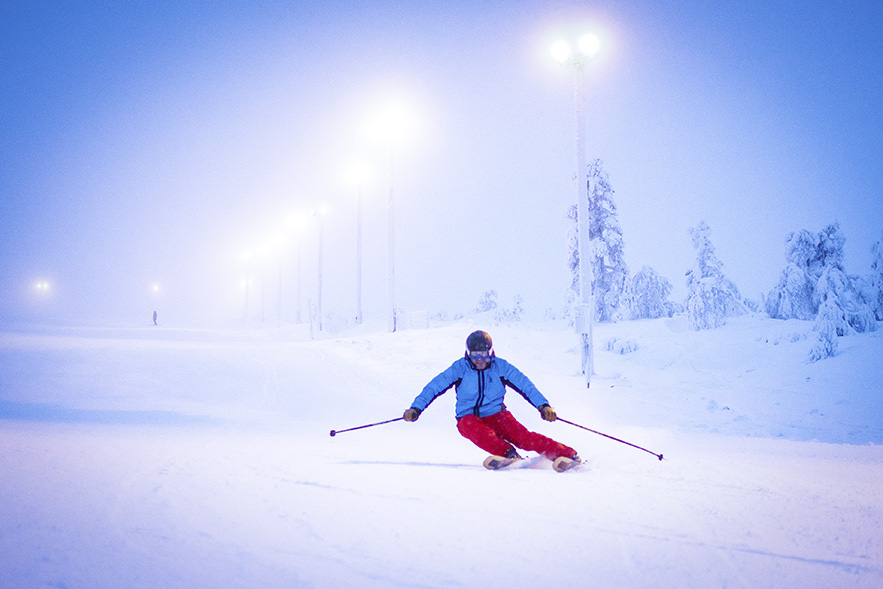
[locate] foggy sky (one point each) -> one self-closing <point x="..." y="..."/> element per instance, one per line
<point x="145" y="149"/>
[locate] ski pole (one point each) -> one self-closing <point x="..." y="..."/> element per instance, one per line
<point x="659" y="456"/>
<point x="340" y="431"/>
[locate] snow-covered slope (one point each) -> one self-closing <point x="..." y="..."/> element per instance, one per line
<point x="186" y="458"/>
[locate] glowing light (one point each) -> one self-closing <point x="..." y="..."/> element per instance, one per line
<point x="560" y="51"/>
<point x="297" y="220"/>
<point x="280" y="241"/>
<point x="393" y="123"/>
<point x="359" y="173"/>
<point x="263" y="250"/>
<point x="589" y="45"/>
<point x="41" y="286"/>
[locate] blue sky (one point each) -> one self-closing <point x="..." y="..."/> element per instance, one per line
<point x="151" y="144"/>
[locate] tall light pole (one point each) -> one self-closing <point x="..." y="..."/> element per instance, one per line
<point x="359" y="174"/>
<point x="587" y="48"/>
<point x="296" y="223"/>
<point x="320" y="213"/>
<point x="298" y="317"/>
<point x="247" y="258"/>
<point x="359" y="256"/>
<point x="279" y="295"/>
<point x="391" y="224"/>
<point x="392" y="125"/>
<point x="280" y="245"/>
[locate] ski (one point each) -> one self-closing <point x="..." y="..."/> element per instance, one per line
<point x="563" y="464"/>
<point x="498" y="462"/>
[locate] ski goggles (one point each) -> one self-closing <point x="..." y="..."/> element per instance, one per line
<point x="483" y="355"/>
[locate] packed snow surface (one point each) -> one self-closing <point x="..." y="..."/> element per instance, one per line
<point x="167" y="457"/>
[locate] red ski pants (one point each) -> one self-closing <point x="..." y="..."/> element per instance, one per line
<point x="499" y="432"/>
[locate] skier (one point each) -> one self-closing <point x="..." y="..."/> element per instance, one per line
<point x="480" y="380"/>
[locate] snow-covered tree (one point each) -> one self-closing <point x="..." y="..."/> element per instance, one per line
<point x="606" y="248"/>
<point x="845" y="290"/>
<point x="605" y="232"/>
<point x="831" y="321"/>
<point x="646" y="296"/>
<point x="829" y="250"/>
<point x="514" y="314"/>
<point x="487" y="302"/>
<point x="799" y="295"/>
<point x="712" y="296"/>
<point x="794" y="296"/>
<point x="873" y="292"/>
<point x="518" y="308"/>
<point x="832" y="291"/>
<point x="846" y="304"/>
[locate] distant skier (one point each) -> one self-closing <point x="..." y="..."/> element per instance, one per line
<point x="154" y="317"/>
<point x="480" y="380"/>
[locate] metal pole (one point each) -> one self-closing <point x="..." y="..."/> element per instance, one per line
<point x="359" y="256"/>
<point x="299" y="281"/>
<point x="263" y="290"/>
<point x="586" y="311"/>
<point x="321" y="244"/>
<point x="279" y="295"/>
<point x="340" y="431"/>
<point x="659" y="456"/>
<point x="247" y="287"/>
<point x="392" y="305"/>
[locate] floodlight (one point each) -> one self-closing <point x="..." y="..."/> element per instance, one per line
<point x="560" y="51"/>
<point x="359" y="173"/>
<point x="392" y="123"/>
<point x="589" y="45"/>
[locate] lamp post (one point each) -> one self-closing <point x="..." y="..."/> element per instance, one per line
<point x="320" y="213"/>
<point x="296" y="224"/>
<point x="263" y="255"/>
<point x="298" y="317"/>
<point x="392" y="264"/>
<point x="392" y="125"/>
<point x="587" y="48"/>
<point x="359" y="174"/>
<point x="359" y="256"/>
<point x="280" y="246"/>
<point x="246" y="257"/>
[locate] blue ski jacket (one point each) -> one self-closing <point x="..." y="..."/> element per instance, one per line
<point x="479" y="392"/>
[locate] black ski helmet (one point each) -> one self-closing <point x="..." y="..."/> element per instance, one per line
<point x="479" y="341"/>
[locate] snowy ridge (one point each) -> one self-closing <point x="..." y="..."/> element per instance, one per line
<point x="159" y="458"/>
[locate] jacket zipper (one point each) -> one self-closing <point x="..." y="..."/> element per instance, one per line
<point x="477" y="408"/>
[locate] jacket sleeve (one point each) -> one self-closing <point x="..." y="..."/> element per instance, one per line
<point x="518" y="382"/>
<point x="438" y="386"/>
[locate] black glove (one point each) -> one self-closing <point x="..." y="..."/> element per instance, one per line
<point x="547" y="412"/>
<point x="412" y="414"/>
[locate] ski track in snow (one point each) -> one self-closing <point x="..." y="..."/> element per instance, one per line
<point x="163" y="458"/>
